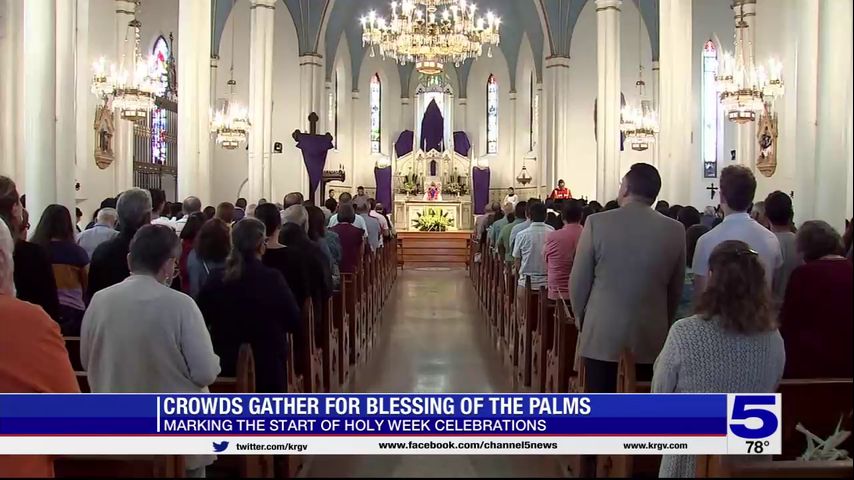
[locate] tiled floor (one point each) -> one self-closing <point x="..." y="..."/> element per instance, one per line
<point x="433" y="341"/>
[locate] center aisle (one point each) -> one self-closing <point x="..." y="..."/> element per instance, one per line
<point x="433" y="341"/>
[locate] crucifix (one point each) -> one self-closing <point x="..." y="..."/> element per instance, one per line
<point x="314" y="149"/>
<point x="712" y="190"/>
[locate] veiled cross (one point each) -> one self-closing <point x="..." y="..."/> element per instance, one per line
<point x="712" y="190"/>
<point x="312" y="126"/>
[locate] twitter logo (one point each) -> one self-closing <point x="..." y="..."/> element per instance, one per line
<point x="220" y="447"/>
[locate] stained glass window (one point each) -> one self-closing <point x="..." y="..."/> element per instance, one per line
<point x="376" y="113"/>
<point x="492" y="115"/>
<point x="159" y="119"/>
<point x="710" y="110"/>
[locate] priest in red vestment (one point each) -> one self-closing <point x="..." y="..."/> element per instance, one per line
<point x="561" y="192"/>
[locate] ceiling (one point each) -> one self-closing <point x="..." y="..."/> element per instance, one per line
<point x="548" y="25"/>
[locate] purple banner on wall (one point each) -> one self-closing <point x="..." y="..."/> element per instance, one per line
<point x="314" y="150"/>
<point x="382" y="176"/>
<point x="462" y="145"/>
<point x="404" y="143"/>
<point x="432" y="128"/>
<point x="480" y="189"/>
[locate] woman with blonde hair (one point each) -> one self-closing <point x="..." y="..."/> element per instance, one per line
<point x="731" y="345"/>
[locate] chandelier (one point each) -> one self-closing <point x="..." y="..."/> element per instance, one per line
<point x="417" y="32"/>
<point x="133" y="88"/>
<point x="639" y="123"/>
<point x="744" y="87"/>
<point x="524" y="178"/>
<point x="230" y="124"/>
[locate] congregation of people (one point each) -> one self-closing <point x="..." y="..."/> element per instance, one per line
<point x="162" y="295"/>
<point x="730" y="300"/>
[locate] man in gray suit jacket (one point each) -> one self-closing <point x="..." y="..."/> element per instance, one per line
<point x="626" y="280"/>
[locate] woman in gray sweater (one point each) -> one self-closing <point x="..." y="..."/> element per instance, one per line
<point x="730" y="346"/>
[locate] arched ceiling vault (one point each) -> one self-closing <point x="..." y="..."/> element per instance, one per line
<point x="549" y="24"/>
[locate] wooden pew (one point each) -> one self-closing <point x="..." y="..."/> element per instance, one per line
<point x="309" y="358"/>
<point x="243" y="381"/>
<point x="510" y="330"/>
<point x="818" y="404"/>
<point x="718" y="466"/>
<point x="119" y="466"/>
<point x="541" y="341"/>
<point x="621" y="466"/>
<point x="560" y="376"/>
<point x="341" y="320"/>
<point x="526" y="324"/>
<point x="330" y="348"/>
<point x="498" y="306"/>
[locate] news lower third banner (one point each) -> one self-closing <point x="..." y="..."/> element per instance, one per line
<point x="392" y="424"/>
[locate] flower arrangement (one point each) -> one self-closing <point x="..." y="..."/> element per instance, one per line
<point x="411" y="185"/>
<point x="454" y="188"/>
<point x="431" y="220"/>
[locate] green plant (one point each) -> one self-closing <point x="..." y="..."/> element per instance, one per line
<point x="431" y="220"/>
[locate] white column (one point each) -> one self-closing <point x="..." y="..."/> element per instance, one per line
<point x="511" y="141"/>
<point x="656" y="94"/>
<point x="676" y="156"/>
<point x="311" y="80"/>
<point x="608" y="110"/>
<point x="834" y="91"/>
<point x="83" y="118"/>
<point x="39" y="104"/>
<point x="66" y="134"/>
<point x="10" y="124"/>
<point x="194" y="86"/>
<point x="555" y="149"/>
<point x="461" y="114"/>
<point x="123" y="136"/>
<point x="406" y="109"/>
<point x="261" y="99"/>
<point x="746" y="133"/>
<point x="354" y="134"/>
<point x="806" y="90"/>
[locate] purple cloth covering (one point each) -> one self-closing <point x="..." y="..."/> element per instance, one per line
<point x="462" y="145"/>
<point x="432" y="128"/>
<point x="314" y="150"/>
<point x="480" y="187"/>
<point x="382" y="176"/>
<point x="404" y="143"/>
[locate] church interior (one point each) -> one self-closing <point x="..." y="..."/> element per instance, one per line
<point x="234" y="104"/>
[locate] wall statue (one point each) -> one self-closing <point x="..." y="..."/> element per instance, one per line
<point x="766" y="138"/>
<point x="104" y="131"/>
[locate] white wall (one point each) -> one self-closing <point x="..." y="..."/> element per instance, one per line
<point x="711" y="19"/>
<point x="391" y="123"/>
<point x="343" y="154"/>
<point x="523" y="154"/>
<point x="579" y="170"/>
<point x="501" y="165"/>
<point x="230" y="167"/>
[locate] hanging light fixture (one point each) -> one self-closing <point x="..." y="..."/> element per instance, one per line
<point x="416" y="32"/>
<point x="230" y="124"/>
<point x="524" y="178"/>
<point x="132" y="85"/>
<point x="639" y="123"/>
<point x="745" y="88"/>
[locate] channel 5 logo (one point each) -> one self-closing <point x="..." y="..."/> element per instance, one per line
<point x="754" y="416"/>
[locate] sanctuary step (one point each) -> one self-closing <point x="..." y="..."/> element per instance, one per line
<point x="434" y="249"/>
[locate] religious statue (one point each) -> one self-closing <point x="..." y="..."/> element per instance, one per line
<point x="434" y="193"/>
<point x="104" y="128"/>
<point x="766" y="137"/>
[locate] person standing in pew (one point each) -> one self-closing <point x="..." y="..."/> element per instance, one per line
<point x="294" y="235"/>
<point x="33" y="358"/>
<point x="503" y="245"/>
<point x="816" y="318"/>
<point x="559" y="251"/>
<point x="251" y="303"/>
<point x="351" y="238"/>
<point x="626" y="280"/>
<point x="109" y="263"/>
<point x="140" y="336"/>
<point x="730" y="346"/>
<point x="528" y="251"/>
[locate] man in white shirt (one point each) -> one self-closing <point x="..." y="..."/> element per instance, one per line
<point x="190" y="206"/>
<point x="104" y="229"/>
<point x="738" y="186"/>
<point x="528" y="250"/>
<point x="511" y="197"/>
<point x="379" y="218"/>
<point x="158" y="202"/>
<point x="359" y="222"/>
